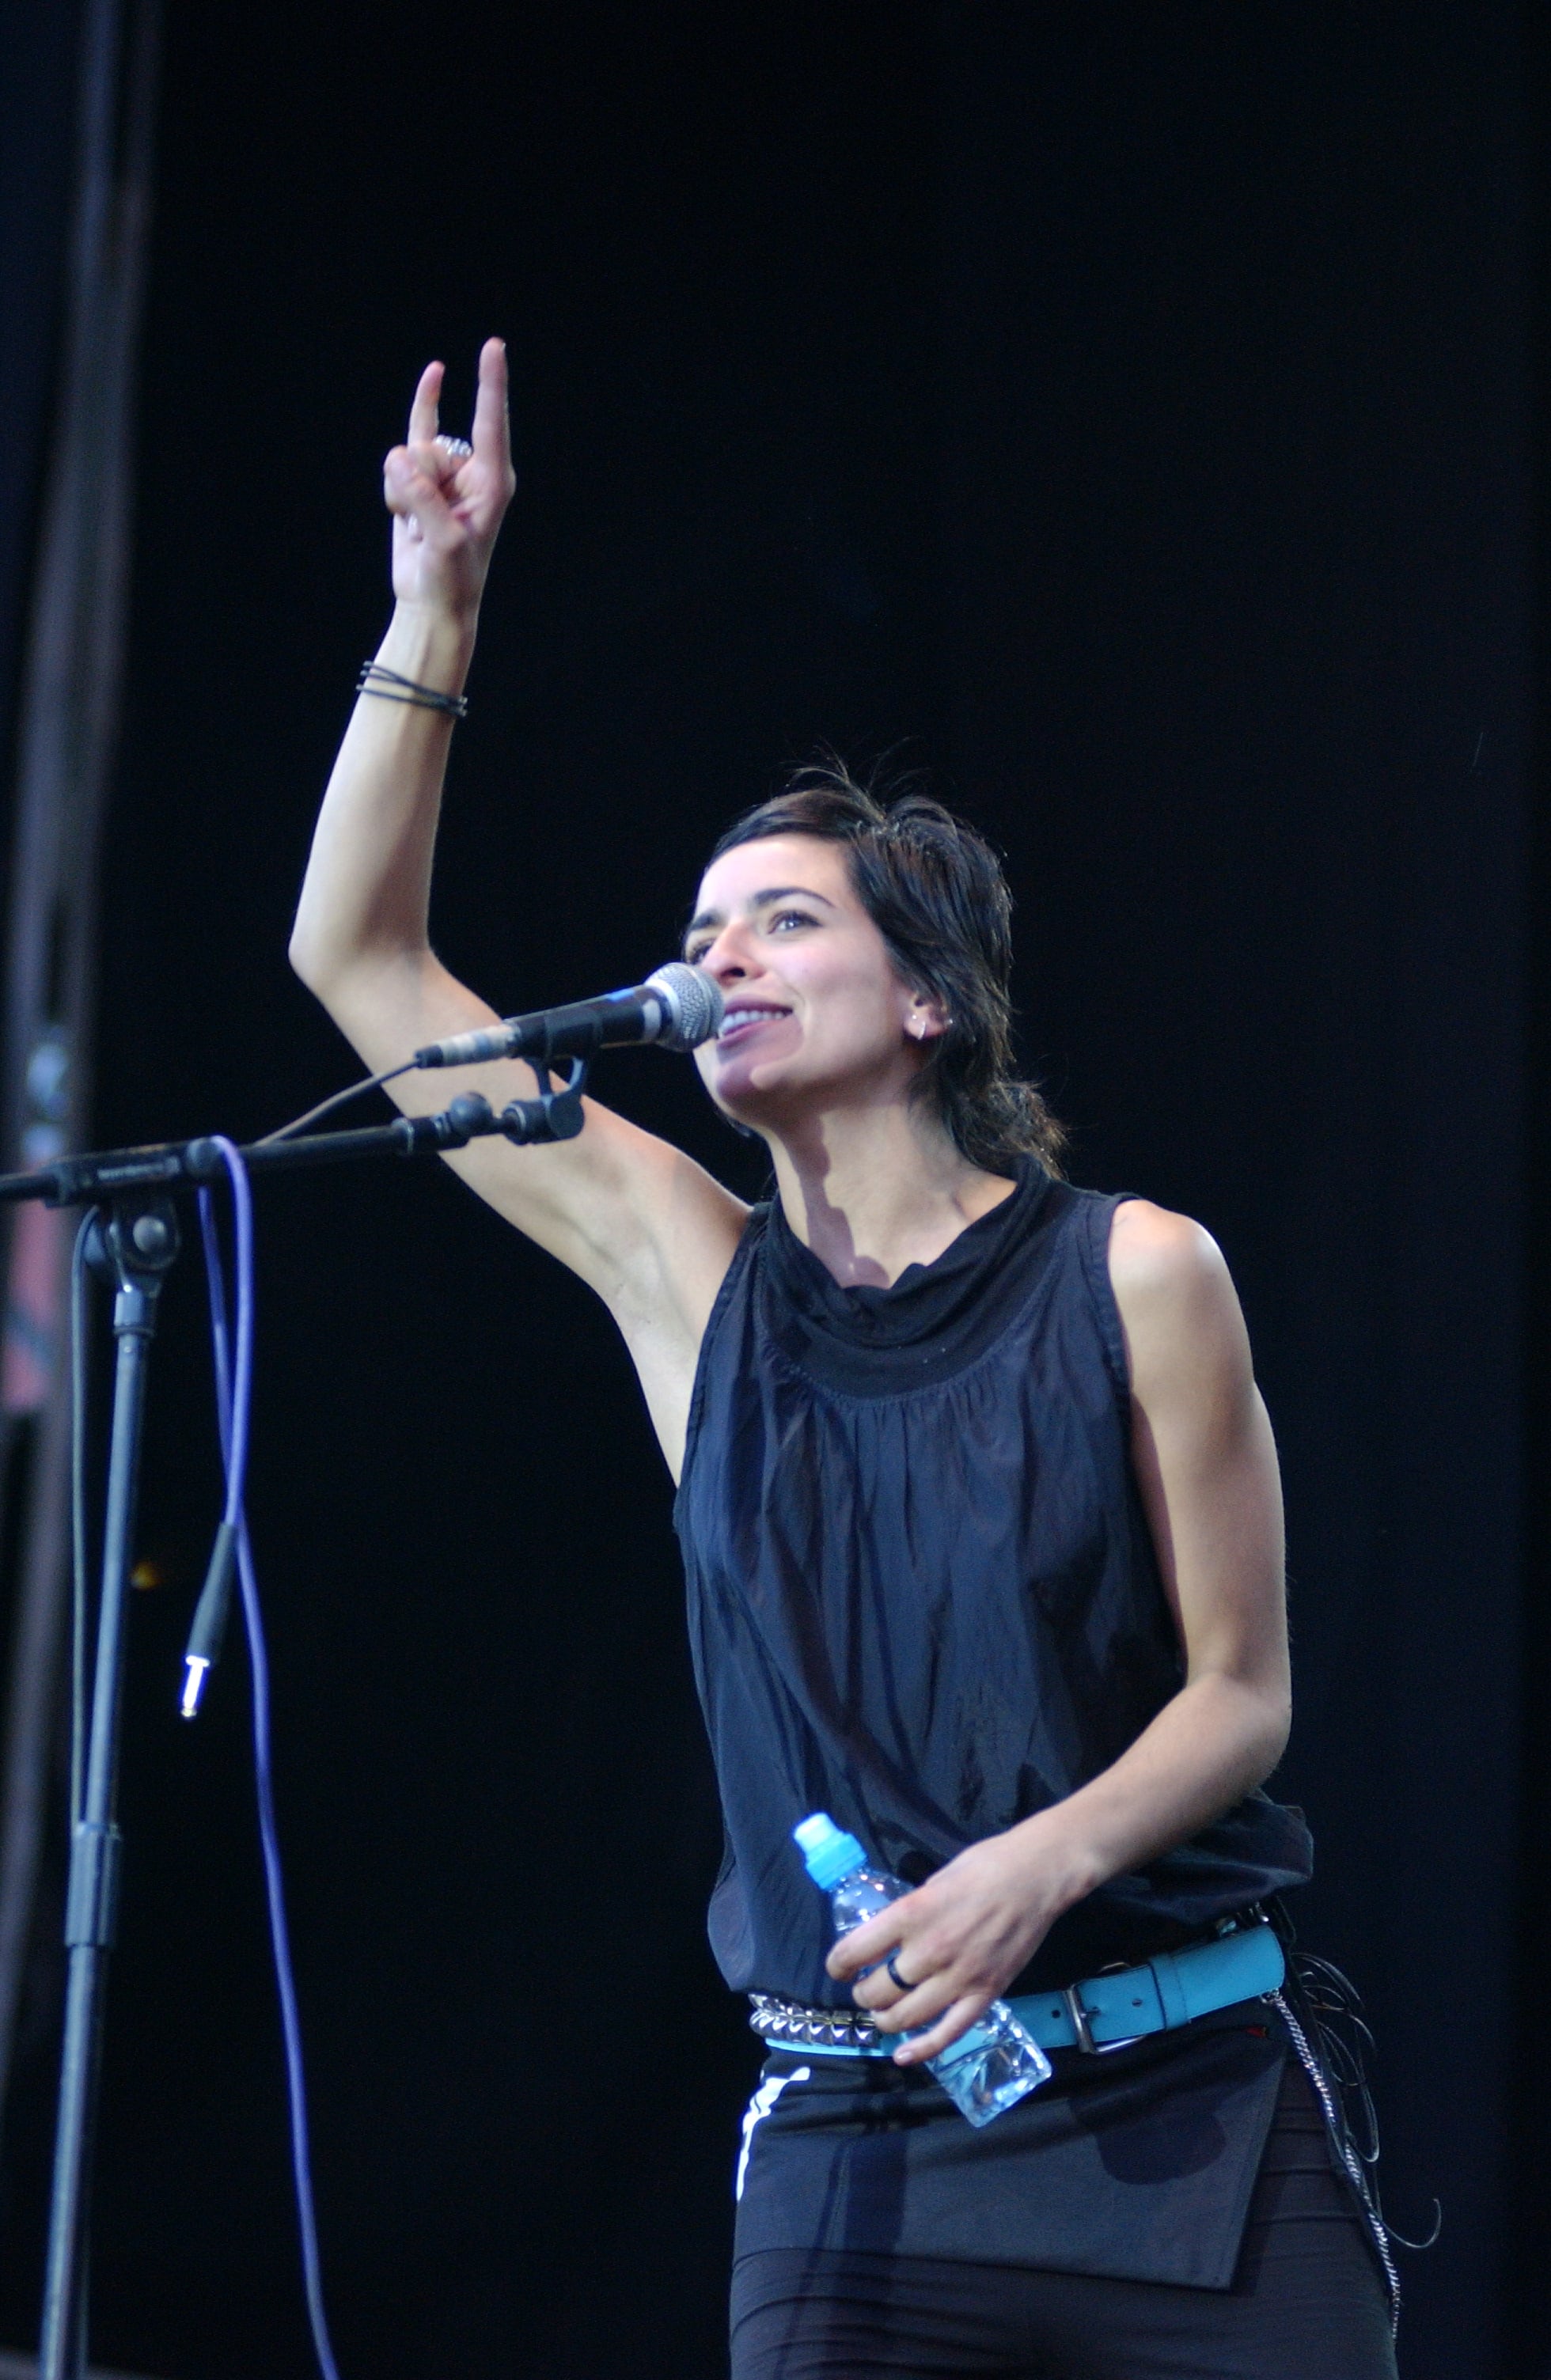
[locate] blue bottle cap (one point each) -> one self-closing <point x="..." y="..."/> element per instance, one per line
<point x="830" y="1855"/>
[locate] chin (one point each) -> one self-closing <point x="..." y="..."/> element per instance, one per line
<point x="743" y="1106"/>
<point x="754" y="1105"/>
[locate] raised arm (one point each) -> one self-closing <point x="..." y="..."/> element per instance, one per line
<point x="647" y="1228"/>
<point x="360" y="936"/>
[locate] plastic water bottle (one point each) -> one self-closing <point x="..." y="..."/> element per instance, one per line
<point x="990" y="2067"/>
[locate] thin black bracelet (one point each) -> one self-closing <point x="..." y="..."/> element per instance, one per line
<point x="395" y="688"/>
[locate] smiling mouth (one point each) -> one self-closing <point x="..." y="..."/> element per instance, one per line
<point x="739" y="1022"/>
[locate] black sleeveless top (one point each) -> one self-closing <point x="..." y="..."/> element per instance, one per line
<point x="922" y="1590"/>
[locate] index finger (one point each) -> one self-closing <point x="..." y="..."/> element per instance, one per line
<point x="423" y="411"/>
<point x="493" y="435"/>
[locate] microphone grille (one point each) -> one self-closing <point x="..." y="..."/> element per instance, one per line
<point x="694" y="1004"/>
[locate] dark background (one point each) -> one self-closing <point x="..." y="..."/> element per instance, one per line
<point x="1127" y="412"/>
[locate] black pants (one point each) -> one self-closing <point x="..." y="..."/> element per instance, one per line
<point x="1307" y="2300"/>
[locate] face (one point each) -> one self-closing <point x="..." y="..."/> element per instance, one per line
<point x="815" y="1010"/>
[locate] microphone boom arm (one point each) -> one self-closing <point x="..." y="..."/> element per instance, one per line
<point x="176" y="1164"/>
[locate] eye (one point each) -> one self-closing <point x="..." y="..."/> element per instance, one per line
<point x="696" y="950"/>
<point x="780" y="918"/>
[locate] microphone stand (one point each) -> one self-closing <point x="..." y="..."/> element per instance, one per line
<point x="138" y="1244"/>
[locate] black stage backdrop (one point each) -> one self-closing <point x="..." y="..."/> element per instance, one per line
<point x="1122" y="410"/>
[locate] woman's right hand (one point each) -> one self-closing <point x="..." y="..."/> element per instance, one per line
<point x="447" y="505"/>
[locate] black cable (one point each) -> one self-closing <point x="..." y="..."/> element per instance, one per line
<point x="337" y="1100"/>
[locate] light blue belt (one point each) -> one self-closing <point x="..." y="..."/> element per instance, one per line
<point x="1169" y="1990"/>
<point x="1173" y="1989"/>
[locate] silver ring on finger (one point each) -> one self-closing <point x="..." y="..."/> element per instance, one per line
<point x="894" y="1973"/>
<point x="459" y="448"/>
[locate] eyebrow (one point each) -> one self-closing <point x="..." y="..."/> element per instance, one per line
<point x="709" y="917"/>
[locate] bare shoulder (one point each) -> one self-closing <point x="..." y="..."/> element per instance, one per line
<point x="1155" y="1252"/>
<point x="1176" y="1297"/>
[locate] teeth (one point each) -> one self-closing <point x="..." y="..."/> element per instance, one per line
<point x="736" y="1017"/>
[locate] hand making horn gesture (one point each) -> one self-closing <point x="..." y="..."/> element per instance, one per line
<point x="447" y="497"/>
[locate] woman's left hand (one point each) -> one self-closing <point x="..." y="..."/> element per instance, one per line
<point x="958" y="1940"/>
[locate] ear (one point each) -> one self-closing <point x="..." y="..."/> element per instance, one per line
<point x="926" y="1019"/>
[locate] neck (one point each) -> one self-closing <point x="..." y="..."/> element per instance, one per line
<point x="873" y="1192"/>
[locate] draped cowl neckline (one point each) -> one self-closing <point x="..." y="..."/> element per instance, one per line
<point x="933" y="1319"/>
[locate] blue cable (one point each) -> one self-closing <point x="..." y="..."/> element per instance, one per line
<point x="234" y="1403"/>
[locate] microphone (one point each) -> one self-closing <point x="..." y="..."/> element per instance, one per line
<point x="677" y="1007"/>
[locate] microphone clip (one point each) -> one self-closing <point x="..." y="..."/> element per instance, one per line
<point x="554" y="1115"/>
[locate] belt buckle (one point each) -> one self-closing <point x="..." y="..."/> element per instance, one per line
<point x="1080" y="2023"/>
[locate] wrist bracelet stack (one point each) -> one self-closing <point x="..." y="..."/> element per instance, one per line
<point x="387" y="683"/>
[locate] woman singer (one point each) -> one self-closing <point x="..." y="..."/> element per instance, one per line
<point x="980" y="1518"/>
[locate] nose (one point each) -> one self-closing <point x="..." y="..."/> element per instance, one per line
<point x="726" y="961"/>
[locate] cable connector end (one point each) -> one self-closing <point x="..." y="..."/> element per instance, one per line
<point x="468" y="1048"/>
<point x="203" y="1648"/>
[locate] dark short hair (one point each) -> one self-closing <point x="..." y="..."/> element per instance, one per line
<point x="935" y="890"/>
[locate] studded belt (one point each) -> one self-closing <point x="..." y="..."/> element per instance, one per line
<point x="1171" y="1989"/>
